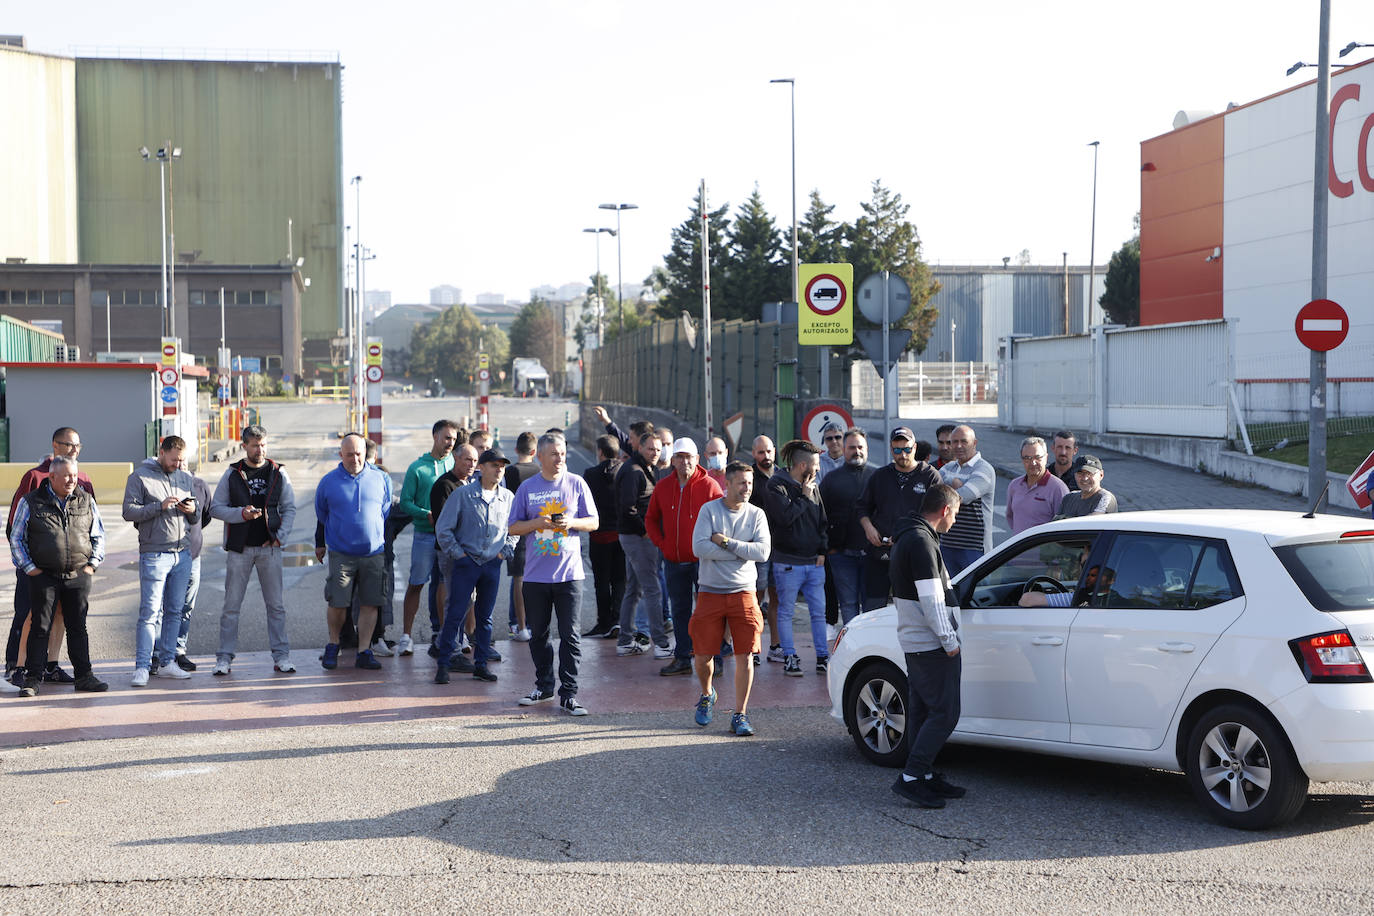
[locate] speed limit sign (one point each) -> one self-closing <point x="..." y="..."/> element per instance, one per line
<point x="374" y="373"/>
<point x="168" y="375"/>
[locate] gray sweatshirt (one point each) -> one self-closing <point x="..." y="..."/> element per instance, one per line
<point x="729" y="570"/>
<point x="159" y="530"/>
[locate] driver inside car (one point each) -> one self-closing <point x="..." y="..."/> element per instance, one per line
<point x="1066" y="599"/>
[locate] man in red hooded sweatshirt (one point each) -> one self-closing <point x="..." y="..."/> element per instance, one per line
<point x="669" y="521"/>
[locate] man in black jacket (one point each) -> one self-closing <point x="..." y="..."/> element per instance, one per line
<point x="797" y="524"/>
<point x="608" y="559"/>
<point x="840" y="492"/>
<point x="928" y="632"/>
<point x="765" y="588"/>
<point x="634" y="485"/>
<point x="893" y="492"/>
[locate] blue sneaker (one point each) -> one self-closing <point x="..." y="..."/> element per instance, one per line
<point x="739" y="724"/>
<point x="330" y="658"/>
<point x="367" y="661"/>
<point x="706" y="708"/>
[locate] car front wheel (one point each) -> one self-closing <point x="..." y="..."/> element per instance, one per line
<point x="875" y="712"/>
<point x="1242" y="769"/>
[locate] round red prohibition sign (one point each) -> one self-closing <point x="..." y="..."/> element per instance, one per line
<point x="1321" y="325"/>
<point x="825" y="294"/>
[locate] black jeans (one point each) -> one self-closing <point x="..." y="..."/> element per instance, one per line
<point x="608" y="578"/>
<point x="682" y="592"/>
<point x="45" y="591"/>
<point x="543" y="600"/>
<point x="932" y="709"/>
<point x="21" y="613"/>
<point x="876" y="580"/>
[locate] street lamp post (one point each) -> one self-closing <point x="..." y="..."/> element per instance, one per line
<point x="355" y="344"/>
<point x="163" y="156"/>
<point x="600" y="294"/>
<point x="1092" y="243"/>
<point x="825" y="351"/>
<point x="619" y="265"/>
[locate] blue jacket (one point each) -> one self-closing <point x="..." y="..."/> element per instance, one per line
<point x="470" y="526"/>
<point x="353" y="510"/>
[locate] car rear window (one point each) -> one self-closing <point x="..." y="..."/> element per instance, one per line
<point x="1334" y="575"/>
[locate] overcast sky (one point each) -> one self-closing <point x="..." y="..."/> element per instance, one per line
<point x="487" y="133"/>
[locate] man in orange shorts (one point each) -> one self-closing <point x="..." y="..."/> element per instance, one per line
<point x="730" y="536"/>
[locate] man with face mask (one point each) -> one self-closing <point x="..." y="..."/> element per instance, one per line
<point x="715" y="460"/>
<point x="840" y="492"/>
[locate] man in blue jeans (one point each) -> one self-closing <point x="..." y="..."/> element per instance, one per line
<point x="840" y="492"/>
<point x="473" y="536"/>
<point x="159" y="500"/>
<point x="797" y="522"/>
<point x="550" y="508"/>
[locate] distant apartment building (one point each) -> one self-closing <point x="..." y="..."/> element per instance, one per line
<point x="491" y="299"/>
<point x="445" y="295"/>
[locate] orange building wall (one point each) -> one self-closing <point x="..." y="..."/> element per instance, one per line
<point x="1180" y="223"/>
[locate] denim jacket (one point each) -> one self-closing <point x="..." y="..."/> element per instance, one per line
<point x="470" y="526"/>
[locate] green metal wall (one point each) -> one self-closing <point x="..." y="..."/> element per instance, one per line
<point x="21" y="342"/>
<point x="260" y="145"/>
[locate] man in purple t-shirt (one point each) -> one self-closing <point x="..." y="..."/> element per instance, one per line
<point x="550" y="508"/>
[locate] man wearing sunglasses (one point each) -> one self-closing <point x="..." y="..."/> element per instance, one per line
<point x="894" y="492"/>
<point x="833" y="456"/>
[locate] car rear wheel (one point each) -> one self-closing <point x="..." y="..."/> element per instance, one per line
<point x="875" y="712"/>
<point x="1242" y="769"/>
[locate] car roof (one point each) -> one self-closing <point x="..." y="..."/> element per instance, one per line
<point x="1270" y="524"/>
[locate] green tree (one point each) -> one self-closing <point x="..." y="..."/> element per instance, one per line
<point x="536" y="332"/>
<point x="681" y="277"/>
<point x="758" y="270"/>
<point x="1121" y="297"/>
<point x="820" y="240"/>
<point x="447" y="347"/>
<point x="599" y="288"/>
<point x="884" y="239"/>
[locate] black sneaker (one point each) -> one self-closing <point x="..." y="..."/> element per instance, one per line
<point x="482" y="674"/>
<point x="823" y="664"/>
<point x="536" y="696"/>
<point x="89" y="683"/>
<point x="53" y="674"/>
<point x="434" y="649"/>
<point x="918" y="791"/>
<point x="441" y="676"/>
<point x="185" y="663"/>
<point x="643" y="639"/>
<point x="461" y="664"/>
<point x="493" y="655"/>
<point x="367" y="661"/>
<point x="154" y="664"/>
<point x="596" y="632"/>
<point x="676" y="667"/>
<point x="791" y="666"/>
<point x="612" y="633"/>
<point x="945" y="789"/>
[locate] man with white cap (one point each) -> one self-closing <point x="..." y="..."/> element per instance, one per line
<point x="673" y="509"/>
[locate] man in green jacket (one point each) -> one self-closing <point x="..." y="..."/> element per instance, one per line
<point x="419" y="479"/>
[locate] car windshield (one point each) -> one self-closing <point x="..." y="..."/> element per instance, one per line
<point x="1334" y="575"/>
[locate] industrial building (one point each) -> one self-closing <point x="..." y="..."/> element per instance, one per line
<point x="254" y="202"/>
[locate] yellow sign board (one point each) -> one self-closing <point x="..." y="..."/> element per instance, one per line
<point x="171" y="355"/>
<point x="825" y="314"/>
<point x="483" y="361"/>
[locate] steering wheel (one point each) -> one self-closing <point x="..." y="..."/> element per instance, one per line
<point x="1055" y="586"/>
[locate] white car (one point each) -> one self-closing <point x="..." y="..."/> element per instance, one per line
<point x="1225" y="644"/>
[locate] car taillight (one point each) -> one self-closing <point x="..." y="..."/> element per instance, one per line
<point x="1330" y="658"/>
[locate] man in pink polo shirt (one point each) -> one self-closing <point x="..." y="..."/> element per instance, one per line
<point x="1033" y="498"/>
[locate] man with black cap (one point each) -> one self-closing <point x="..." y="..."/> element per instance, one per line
<point x="473" y="534"/>
<point x="1089" y="498"/>
<point x="895" y="491"/>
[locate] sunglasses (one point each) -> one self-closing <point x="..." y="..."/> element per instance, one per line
<point x="834" y="438"/>
<point x="902" y="450"/>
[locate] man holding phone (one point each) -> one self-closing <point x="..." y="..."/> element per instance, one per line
<point x="255" y="501"/>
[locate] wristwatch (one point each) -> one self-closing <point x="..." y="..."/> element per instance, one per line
<point x="725" y="542"/>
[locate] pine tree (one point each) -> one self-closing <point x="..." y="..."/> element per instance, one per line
<point x="681" y="277"/>
<point x="820" y="240"/>
<point x="883" y="239"/>
<point x="759" y="271"/>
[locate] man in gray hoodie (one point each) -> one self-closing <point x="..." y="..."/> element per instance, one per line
<point x="729" y="538"/>
<point x="159" y="500"/>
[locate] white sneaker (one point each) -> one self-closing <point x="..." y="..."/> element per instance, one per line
<point x="404" y="646"/>
<point x="381" y="649"/>
<point x="140" y="678"/>
<point x="663" y="651"/>
<point x="522" y="635"/>
<point x="221" y="667"/>
<point x="173" y="671"/>
<point x="633" y="648"/>
<point x="7" y="686"/>
<point x="775" y="655"/>
<point x="284" y="667"/>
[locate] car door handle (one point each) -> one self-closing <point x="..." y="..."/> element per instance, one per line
<point x="1178" y="647"/>
<point x="1047" y="641"/>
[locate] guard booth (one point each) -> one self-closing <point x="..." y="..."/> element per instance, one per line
<point x="117" y="407"/>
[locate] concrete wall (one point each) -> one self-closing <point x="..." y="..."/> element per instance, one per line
<point x="108" y="405"/>
<point x="38" y="191"/>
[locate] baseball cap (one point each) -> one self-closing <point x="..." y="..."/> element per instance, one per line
<point x="493" y="454"/>
<point x="684" y="445"/>
<point x="1089" y="462"/>
<point x="902" y="432"/>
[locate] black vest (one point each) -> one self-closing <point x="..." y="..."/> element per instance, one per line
<point x="59" y="540"/>
<point x="236" y="536"/>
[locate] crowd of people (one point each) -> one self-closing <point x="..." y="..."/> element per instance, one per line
<point x="693" y="556"/>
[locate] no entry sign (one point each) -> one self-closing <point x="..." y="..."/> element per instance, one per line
<point x="1321" y="325"/>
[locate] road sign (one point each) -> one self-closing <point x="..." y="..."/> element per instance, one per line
<point x="1321" y="325"/>
<point x="484" y="362"/>
<point x="484" y="375"/>
<point x="248" y="364"/>
<point x="169" y="351"/>
<point x="223" y="393"/>
<point x="1358" y="482"/>
<point x="168" y="375"/>
<point x="825" y="315"/>
<point x="734" y="428"/>
<point x="821" y="416"/>
<point x="223" y="380"/>
<point x="374" y="373"/>
<point x="870" y="298"/>
<point x="169" y="394"/>
<point x="374" y="351"/>
<point x="872" y="342"/>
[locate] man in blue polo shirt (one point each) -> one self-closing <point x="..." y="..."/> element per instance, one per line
<point x="352" y="503"/>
